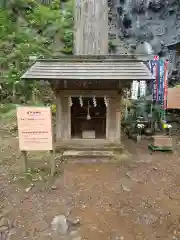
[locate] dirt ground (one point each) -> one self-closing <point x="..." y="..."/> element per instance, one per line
<point x="136" y="199"/>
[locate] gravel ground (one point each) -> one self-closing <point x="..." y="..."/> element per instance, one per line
<point x="137" y="199"/>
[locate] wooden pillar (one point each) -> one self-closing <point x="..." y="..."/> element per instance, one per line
<point x="66" y="119"/>
<point x="118" y="119"/>
<point x="113" y="127"/>
<point x="91" y="27"/>
<point x="59" y="121"/>
<point x="111" y="121"/>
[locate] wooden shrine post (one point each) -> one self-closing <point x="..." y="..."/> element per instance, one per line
<point x="90" y="38"/>
<point x="91" y="35"/>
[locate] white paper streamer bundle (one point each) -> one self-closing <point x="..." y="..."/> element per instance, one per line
<point x="105" y="101"/>
<point x="81" y="101"/>
<point x="142" y="86"/>
<point x="94" y="101"/>
<point x="70" y="102"/>
<point x="134" y="90"/>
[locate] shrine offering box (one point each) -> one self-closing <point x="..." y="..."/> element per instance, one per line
<point x="88" y="134"/>
<point x="162" y="141"/>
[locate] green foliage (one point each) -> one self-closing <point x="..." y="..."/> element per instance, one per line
<point x="68" y="41"/>
<point x="5" y="108"/>
<point x="29" y="28"/>
<point x="112" y="46"/>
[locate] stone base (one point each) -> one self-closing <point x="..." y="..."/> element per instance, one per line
<point x="73" y="153"/>
<point x="162" y="141"/>
<point x="88" y="145"/>
<point x="87" y="156"/>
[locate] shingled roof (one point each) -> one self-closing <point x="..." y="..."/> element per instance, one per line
<point x="74" y="68"/>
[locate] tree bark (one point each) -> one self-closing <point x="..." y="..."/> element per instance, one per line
<point x="91" y="27"/>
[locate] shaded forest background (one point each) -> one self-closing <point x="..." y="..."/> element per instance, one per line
<point x="31" y="28"/>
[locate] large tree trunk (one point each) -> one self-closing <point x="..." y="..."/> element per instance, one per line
<point x="91" y="27"/>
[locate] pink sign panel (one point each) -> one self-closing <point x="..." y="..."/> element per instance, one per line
<point x="34" y="128"/>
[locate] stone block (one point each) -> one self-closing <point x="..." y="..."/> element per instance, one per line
<point x="162" y="141"/>
<point x="88" y="134"/>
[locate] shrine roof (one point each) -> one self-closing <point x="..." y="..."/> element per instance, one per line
<point x="88" y="68"/>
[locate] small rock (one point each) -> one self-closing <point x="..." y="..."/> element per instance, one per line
<point x="59" y="224"/>
<point x="73" y="221"/>
<point x="128" y="174"/>
<point x="83" y="206"/>
<point x="53" y="187"/>
<point x="29" y="188"/>
<point x="125" y="188"/>
<point x="118" y="238"/>
<point x="155" y="168"/>
<point x="73" y="225"/>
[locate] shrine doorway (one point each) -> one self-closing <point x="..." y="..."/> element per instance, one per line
<point x="88" y="118"/>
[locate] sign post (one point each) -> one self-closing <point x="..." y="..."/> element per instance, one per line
<point x="35" y="132"/>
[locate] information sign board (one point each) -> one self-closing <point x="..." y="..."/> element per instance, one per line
<point x="34" y="128"/>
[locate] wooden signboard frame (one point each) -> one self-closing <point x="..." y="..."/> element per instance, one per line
<point x="35" y="132"/>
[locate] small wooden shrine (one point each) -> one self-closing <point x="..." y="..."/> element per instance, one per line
<point x="88" y="96"/>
